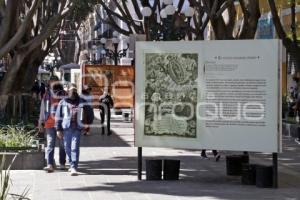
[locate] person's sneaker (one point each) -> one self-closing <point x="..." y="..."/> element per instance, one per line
<point x="217" y="157"/>
<point x="62" y="167"/>
<point x="49" y="169"/>
<point x="86" y="133"/>
<point x="73" y="172"/>
<point x="204" y="157"/>
<point x="69" y="170"/>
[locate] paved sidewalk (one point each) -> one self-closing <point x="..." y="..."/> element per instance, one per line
<point x="108" y="172"/>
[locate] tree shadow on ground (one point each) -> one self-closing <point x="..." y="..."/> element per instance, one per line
<point x="198" y="178"/>
<point x="187" y="188"/>
<point x="96" y="139"/>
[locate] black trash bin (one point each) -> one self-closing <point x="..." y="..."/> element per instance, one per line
<point x="171" y="169"/>
<point x="126" y="116"/>
<point x="264" y="176"/>
<point x="248" y="174"/>
<point x="153" y="169"/>
<point x="234" y="164"/>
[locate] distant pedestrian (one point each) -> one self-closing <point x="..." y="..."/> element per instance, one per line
<point x="49" y="103"/>
<point x="35" y="90"/>
<point x="86" y="95"/>
<point x="69" y="124"/>
<point x="106" y="103"/>
<point x="42" y="89"/>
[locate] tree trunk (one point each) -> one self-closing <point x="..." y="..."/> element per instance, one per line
<point x="77" y="55"/>
<point x="9" y="79"/>
<point x="291" y="47"/>
<point x="252" y="14"/>
<point x="28" y="70"/>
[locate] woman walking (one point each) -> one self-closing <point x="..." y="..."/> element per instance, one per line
<point x="50" y="100"/>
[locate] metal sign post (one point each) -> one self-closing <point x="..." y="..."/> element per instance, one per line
<point x="140" y="163"/>
<point x="275" y="170"/>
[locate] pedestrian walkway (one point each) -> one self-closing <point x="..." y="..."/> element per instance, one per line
<point x="108" y="172"/>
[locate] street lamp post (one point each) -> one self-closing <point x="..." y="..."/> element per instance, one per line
<point x="146" y="12"/>
<point x="163" y="27"/>
<point x="51" y="63"/>
<point x="114" y="54"/>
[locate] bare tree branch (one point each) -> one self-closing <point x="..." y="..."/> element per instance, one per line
<point x="137" y="9"/>
<point x="293" y="19"/>
<point x="224" y="7"/>
<point x="291" y="46"/>
<point x="46" y="31"/>
<point x="113" y="24"/>
<point x="155" y="4"/>
<point x="112" y="13"/>
<point x="2" y="8"/>
<point x="180" y="5"/>
<point x="21" y="30"/>
<point x="251" y="12"/>
<point x="9" y="18"/>
<point x="214" y="7"/>
<point x="137" y="28"/>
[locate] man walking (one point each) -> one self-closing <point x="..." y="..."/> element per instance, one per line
<point x="69" y="119"/>
<point x="106" y="103"/>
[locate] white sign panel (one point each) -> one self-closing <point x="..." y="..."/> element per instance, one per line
<point x="222" y="95"/>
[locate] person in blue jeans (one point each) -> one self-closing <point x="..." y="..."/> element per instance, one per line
<point x="69" y="124"/>
<point x="49" y="103"/>
<point x="51" y="140"/>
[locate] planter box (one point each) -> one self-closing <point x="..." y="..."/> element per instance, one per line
<point x="34" y="160"/>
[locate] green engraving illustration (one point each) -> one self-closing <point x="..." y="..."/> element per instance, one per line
<point x="171" y="94"/>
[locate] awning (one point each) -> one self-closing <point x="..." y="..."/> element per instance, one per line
<point x="70" y="66"/>
<point x="43" y="71"/>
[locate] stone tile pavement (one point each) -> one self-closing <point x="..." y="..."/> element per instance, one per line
<point x="108" y="172"/>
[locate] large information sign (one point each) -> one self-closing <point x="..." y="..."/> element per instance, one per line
<point x="222" y="95"/>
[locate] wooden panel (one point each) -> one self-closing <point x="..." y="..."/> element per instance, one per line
<point x="123" y="97"/>
<point x="119" y="80"/>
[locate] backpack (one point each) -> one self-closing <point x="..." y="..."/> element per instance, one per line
<point x="88" y="114"/>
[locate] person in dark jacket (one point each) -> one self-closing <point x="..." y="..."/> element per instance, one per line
<point x="69" y="124"/>
<point x="42" y="89"/>
<point x="106" y="103"/>
<point x="86" y="95"/>
<point x="35" y="89"/>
